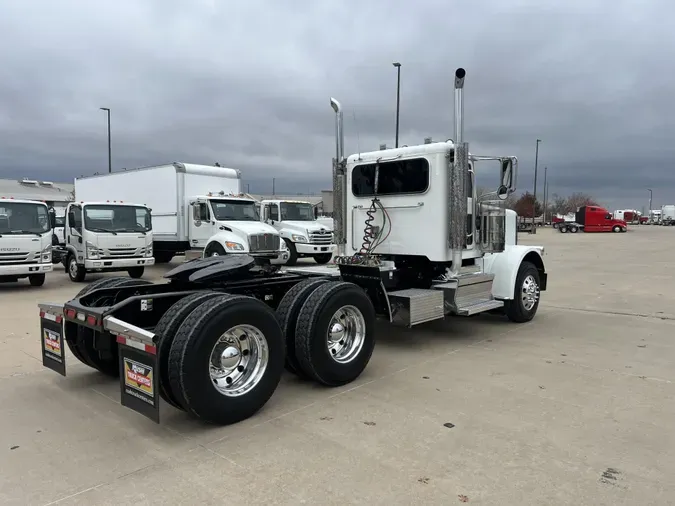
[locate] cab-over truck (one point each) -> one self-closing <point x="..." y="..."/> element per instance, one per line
<point x="213" y="340"/>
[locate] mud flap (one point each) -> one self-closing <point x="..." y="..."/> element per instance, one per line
<point x="139" y="378"/>
<point x="51" y="339"/>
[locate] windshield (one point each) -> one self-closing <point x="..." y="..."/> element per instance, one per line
<point x="112" y="218"/>
<point x="297" y="211"/>
<point x="23" y="218"/>
<point x="235" y="210"/>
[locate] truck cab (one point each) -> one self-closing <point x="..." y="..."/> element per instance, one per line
<point x="296" y="222"/>
<point x="106" y="237"/>
<point x="599" y="219"/>
<point x="25" y="241"/>
<point x="227" y="224"/>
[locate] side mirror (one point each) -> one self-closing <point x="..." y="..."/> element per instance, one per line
<point x="52" y="220"/>
<point x="71" y="219"/>
<point x="507" y="174"/>
<point x="316" y="213"/>
<point x="502" y="192"/>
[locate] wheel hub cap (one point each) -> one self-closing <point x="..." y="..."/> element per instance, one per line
<point x="346" y="334"/>
<point x="238" y="360"/>
<point x="530" y="293"/>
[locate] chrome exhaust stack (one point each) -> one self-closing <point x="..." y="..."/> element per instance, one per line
<point x="339" y="181"/>
<point x="458" y="169"/>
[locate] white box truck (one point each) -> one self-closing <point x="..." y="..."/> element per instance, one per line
<point x="25" y="241"/>
<point x="194" y="207"/>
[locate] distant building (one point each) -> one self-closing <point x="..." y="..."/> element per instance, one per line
<point x="55" y="194"/>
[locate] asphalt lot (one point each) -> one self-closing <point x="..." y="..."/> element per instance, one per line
<point x="575" y="407"/>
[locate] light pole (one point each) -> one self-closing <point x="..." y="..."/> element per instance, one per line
<point x="545" y="194"/>
<point x="650" y="202"/>
<point x="109" y="145"/>
<point x="534" y="201"/>
<point x="398" y="95"/>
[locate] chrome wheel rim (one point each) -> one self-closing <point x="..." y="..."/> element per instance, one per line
<point x="529" y="293"/>
<point x="238" y="360"/>
<point x="346" y="334"/>
<point x="214" y="254"/>
<point x="73" y="268"/>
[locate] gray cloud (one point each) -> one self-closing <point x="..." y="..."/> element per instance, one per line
<point x="247" y="85"/>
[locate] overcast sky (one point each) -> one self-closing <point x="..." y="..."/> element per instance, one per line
<point x="247" y="84"/>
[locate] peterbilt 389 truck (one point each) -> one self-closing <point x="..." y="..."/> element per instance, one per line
<point x="213" y="339"/>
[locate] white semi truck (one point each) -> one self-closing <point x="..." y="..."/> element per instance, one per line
<point x="25" y="241"/>
<point x="196" y="209"/>
<point x="415" y="241"/>
<point x="668" y="214"/>
<point x="296" y="222"/>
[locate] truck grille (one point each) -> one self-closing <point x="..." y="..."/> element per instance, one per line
<point x="322" y="237"/>
<point x="121" y="253"/>
<point x="17" y="258"/>
<point x="264" y="242"/>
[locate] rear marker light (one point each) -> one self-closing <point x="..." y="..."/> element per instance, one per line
<point x="70" y="313"/>
<point x="91" y="320"/>
<point x="148" y="348"/>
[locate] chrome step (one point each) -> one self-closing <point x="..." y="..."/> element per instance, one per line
<point x="479" y="307"/>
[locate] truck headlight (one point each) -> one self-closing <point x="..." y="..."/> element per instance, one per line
<point x="234" y="246"/>
<point x="283" y="245"/>
<point x="298" y="238"/>
<point x="46" y="254"/>
<point x="92" y="251"/>
<point x="148" y="251"/>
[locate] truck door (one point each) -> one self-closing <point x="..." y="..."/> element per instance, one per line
<point x="73" y="230"/>
<point x="271" y="214"/>
<point x="201" y="224"/>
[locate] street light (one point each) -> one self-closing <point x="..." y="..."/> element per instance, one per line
<point x="398" y="95"/>
<point x="545" y="194"/>
<point x="534" y="201"/>
<point x="650" y="201"/>
<point x="109" y="146"/>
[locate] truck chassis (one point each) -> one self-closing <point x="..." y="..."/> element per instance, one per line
<point x="215" y="339"/>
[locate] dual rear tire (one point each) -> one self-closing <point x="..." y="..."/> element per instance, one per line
<point x="221" y="356"/>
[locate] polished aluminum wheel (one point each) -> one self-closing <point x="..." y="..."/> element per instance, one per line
<point x="529" y="293"/>
<point x="346" y="334"/>
<point x="73" y="268"/>
<point x="238" y="360"/>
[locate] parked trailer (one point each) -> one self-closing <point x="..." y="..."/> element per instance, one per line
<point x="668" y="215"/>
<point x="593" y="219"/>
<point x="214" y="339"/>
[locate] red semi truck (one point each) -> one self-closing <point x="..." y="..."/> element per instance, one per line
<point x="593" y="219"/>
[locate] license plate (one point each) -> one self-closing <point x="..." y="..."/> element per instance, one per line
<point x="53" y="353"/>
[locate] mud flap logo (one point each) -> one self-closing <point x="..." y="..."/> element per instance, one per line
<point x="139" y="377"/>
<point x="52" y="342"/>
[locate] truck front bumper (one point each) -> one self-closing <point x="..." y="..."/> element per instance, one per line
<point x="315" y="249"/>
<point x="118" y="263"/>
<point x="24" y="270"/>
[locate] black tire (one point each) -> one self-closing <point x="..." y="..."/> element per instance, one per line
<point x="311" y="346"/>
<point x="562" y="229"/>
<point x="292" y="253"/>
<point x="287" y="314"/>
<point x="322" y="259"/>
<point x="191" y="349"/>
<point x="616" y="229"/>
<point x="107" y="361"/>
<point x="214" y="249"/>
<point x="163" y="257"/>
<point x="76" y="272"/>
<point x="555" y="225"/>
<point x="574" y="229"/>
<point x="136" y="272"/>
<point x="36" y="279"/>
<point x="166" y="329"/>
<point x="515" y="309"/>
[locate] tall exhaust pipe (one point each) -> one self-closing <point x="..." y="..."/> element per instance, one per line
<point x="457" y="171"/>
<point x="339" y="181"/>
